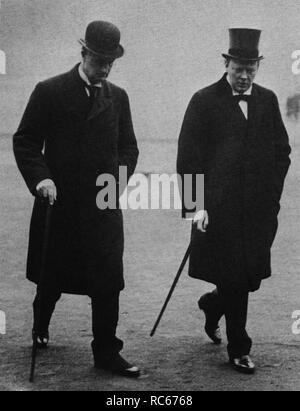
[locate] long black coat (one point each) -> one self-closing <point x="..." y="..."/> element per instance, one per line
<point x="245" y="164"/>
<point x="86" y="247"/>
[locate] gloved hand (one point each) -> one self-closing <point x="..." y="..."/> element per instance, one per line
<point x="47" y="189"/>
<point x="202" y="220"/>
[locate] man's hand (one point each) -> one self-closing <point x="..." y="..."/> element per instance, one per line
<point x="47" y="189"/>
<point x="202" y="220"/>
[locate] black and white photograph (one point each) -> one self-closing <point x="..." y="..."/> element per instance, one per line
<point x="149" y="198"/>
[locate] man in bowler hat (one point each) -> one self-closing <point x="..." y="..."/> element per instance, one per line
<point x="84" y="124"/>
<point x="233" y="133"/>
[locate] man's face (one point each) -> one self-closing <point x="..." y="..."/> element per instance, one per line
<point x="241" y="75"/>
<point x="95" y="68"/>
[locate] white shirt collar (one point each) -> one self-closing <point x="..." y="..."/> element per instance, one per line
<point x="235" y="93"/>
<point x="84" y="77"/>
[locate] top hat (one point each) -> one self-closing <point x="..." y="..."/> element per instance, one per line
<point x="244" y="45"/>
<point x="103" y="39"/>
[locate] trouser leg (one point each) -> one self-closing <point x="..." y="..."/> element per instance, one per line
<point x="212" y="305"/>
<point x="43" y="307"/>
<point x="217" y="305"/>
<point x="235" y="303"/>
<point x="105" y="317"/>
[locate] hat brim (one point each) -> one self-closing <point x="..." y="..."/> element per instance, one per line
<point x="104" y="55"/>
<point x="244" y="59"/>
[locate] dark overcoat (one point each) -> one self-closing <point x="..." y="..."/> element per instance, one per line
<point x="85" y="254"/>
<point x="245" y="164"/>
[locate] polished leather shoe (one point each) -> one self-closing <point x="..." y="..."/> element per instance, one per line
<point x="214" y="334"/>
<point x="119" y="366"/>
<point x="41" y="339"/>
<point x="243" y="365"/>
<point x="212" y="328"/>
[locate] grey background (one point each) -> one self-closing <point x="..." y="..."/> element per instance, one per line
<point x="173" y="48"/>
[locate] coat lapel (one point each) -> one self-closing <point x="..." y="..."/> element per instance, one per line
<point x="74" y="96"/>
<point x="102" y="103"/>
<point x="255" y="111"/>
<point x="75" y="99"/>
<point x="228" y="106"/>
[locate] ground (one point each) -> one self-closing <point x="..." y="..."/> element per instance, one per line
<point x="179" y="357"/>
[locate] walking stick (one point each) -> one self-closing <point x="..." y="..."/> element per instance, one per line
<point x="42" y="275"/>
<point x="187" y="254"/>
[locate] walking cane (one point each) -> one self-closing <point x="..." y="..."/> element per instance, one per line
<point x="187" y="254"/>
<point x="42" y="275"/>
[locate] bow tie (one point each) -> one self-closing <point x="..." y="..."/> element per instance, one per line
<point x="242" y="97"/>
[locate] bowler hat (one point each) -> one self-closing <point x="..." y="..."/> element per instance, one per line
<point x="244" y="45"/>
<point x="103" y="39"/>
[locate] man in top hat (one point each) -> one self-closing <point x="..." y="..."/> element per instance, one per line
<point x="84" y="122"/>
<point x="233" y="133"/>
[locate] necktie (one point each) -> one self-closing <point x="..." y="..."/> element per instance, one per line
<point x="94" y="92"/>
<point x="93" y="95"/>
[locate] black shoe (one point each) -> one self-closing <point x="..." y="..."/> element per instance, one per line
<point x="118" y="366"/>
<point x="212" y="328"/>
<point x="41" y="338"/>
<point x="215" y="335"/>
<point x="243" y="365"/>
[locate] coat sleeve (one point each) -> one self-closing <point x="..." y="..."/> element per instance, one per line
<point x="128" y="149"/>
<point x="191" y="154"/>
<point x="282" y="149"/>
<point x="28" y="141"/>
